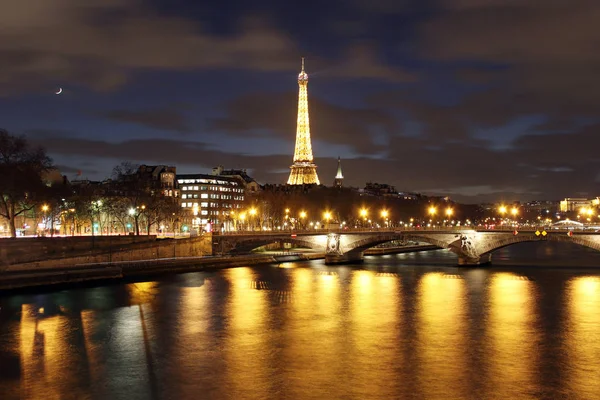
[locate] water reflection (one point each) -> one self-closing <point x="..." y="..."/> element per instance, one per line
<point x="442" y="331"/>
<point x="512" y="335"/>
<point x="583" y="336"/>
<point x="375" y="347"/>
<point x="247" y="352"/>
<point x="309" y="332"/>
<point x="47" y="358"/>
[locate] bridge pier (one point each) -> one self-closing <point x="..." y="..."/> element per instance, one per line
<point x="485" y="259"/>
<point x="347" y="258"/>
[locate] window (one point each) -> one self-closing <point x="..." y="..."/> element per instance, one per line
<point x="196" y="195"/>
<point x="195" y="187"/>
<point x="183" y="205"/>
<point x="184" y="196"/>
<point x="204" y="196"/>
<point x="204" y="204"/>
<point x="204" y="212"/>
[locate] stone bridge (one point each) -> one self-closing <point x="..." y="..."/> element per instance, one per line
<point x="472" y="246"/>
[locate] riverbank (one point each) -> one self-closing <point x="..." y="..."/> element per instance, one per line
<point x="108" y="271"/>
<point x="116" y="270"/>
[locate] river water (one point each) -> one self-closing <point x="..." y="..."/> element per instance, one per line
<point x="409" y="326"/>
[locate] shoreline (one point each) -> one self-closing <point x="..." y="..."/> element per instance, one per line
<point x="120" y="270"/>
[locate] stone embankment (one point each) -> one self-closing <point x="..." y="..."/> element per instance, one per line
<point x="115" y="270"/>
<point x="131" y="258"/>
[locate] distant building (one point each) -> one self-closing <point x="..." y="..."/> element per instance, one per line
<point x="339" y="177"/>
<point x="574" y="204"/>
<point x="159" y="177"/>
<point x="380" y="190"/>
<point x="210" y="199"/>
<point x="249" y="183"/>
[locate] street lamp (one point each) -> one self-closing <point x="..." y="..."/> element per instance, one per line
<point x="302" y="218"/>
<point x="363" y="213"/>
<point x="327" y="217"/>
<point x="514" y="211"/>
<point x="432" y="210"/>
<point x="384" y="215"/>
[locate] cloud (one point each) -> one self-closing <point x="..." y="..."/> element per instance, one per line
<point x="161" y="119"/>
<point x="276" y="114"/>
<point x="549" y="167"/>
<point x="546" y="52"/>
<point x="99" y="44"/>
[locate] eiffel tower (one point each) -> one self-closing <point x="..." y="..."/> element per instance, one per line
<point x="304" y="170"/>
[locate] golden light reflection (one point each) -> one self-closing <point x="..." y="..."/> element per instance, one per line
<point x="443" y="336"/>
<point x="583" y="336"/>
<point x="246" y="350"/>
<point x="374" y="314"/>
<point x="142" y="292"/>
<point x="511" y="337"/>
<point x="315" y="339"/>
<point x="47" y="359"/>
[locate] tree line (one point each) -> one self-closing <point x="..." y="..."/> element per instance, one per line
<point x="125" y="203"/>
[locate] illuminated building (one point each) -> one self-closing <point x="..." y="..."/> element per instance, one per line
<point x="339" y="177"/>
<point x="574" y="204"/>
<point x="304" y="170"/>
<point x="249" y="183"/>
<point x="209" y="199"/>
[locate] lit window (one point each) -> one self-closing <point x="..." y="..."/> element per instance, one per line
<point x="184" y="196"/>
<point x="204" y="212"/>
<point x="204" y="196"/>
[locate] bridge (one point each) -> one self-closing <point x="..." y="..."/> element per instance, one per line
<point x="472" y="246"/>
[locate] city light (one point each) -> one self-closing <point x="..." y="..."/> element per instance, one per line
<point x="449" y="211"/>
<point x="502" y="210"/>
<point x="364" y="212"/>
<point x="45" y="207"/>
<point x="432" y="210"/>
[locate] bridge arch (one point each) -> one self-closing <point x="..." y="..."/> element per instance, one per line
<point x="247" y="245"/>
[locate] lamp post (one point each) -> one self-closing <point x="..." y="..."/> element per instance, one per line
<point x="449" y="213"/>
<point x="327" y="218"/>
<point x="252" y="213"/>
<point x="364" y="213"/>
<point x="45" y="209"/>
<point x="384" y="216"/>
<point x="303" y="218"/>
<point x="432" y="210"/>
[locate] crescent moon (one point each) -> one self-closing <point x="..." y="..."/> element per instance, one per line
<point x="59" y="91"/>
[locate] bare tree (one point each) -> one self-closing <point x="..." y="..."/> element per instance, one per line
<point x="21" y="170"/>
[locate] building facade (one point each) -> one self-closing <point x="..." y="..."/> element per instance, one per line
<point x="209" y="202"/>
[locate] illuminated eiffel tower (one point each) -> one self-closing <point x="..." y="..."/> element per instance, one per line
<point x="304" y="170"/>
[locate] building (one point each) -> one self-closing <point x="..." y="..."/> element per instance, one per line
<point x="338" y="181"/>
<point x="380" y="190"/>
<point x="575" y="204"/>
<point x="249" y="183"/>
<point x="304" y="170"/>
<point x="159" y="177"/>
<point x="209" y="201"/>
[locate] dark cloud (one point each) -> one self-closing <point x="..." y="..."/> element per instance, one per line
<point x="545" y="52"/>
<point x="162" y="119"/>
<point x="537" y="166"/>
<point x="99" y="43"/>
<point x="276" y="113"/>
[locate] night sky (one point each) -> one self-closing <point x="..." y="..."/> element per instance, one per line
<point x="476" y="99"/>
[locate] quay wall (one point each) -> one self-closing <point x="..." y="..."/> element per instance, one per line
<point x="121" y="252"/>
<point x="21" y="250"/>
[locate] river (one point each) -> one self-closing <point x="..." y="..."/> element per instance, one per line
<point x="406" y="326"/>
